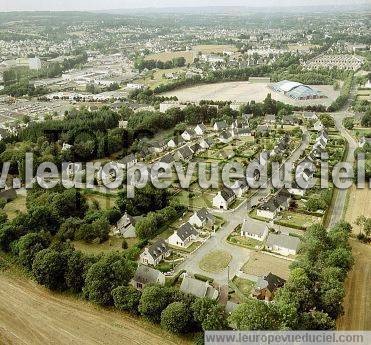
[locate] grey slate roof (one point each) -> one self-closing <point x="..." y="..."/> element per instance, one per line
<point x="284" y="241"/>
<point x="204" y="214"/>
<point x="158" y="248"/>
<point x="227" y="193"/>
<point x="186" y="230"/>
<point x="146" y="274"/>
<point x="185" y="152"/>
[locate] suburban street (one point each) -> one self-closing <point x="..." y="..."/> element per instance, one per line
<point x="233" y="218"/>
<point x="340" y="196"/>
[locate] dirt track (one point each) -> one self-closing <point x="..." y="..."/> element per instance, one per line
<point x="357" y="302"/>
<point x="31" y="315"/>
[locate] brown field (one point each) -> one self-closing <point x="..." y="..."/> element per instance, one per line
<point x="357" y="302"/>
<point x="191" y="54"/>
<point x="261" y="264"/>
<point x="32" y="315"/>
<point x="358" y="204"/>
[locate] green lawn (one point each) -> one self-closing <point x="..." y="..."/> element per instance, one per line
<point x="235" y="238"/>
<point x="112" y="245"/>
<point x="13" y="208"/>
<point x="245" y="286"/>
<point x="295" y="219"/>
<point x="105" y="201"/>
<point x="194" y="199"/>
<point x="215" y="261"/>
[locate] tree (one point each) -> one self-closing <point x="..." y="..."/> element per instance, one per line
<point x="49" y="267"/>
<point x="176" y="318"/>
<point x="29" y="245"/>
<point x="201" y="308"/>
<point x="109" y="272"/>
<point x="366" y="119"/>
<point x="126" y="298"/>
<point x="153" y="301"/>
<point x="254" y="315"/>
<point x="77" y="268"/>
<point x="217" y="319"/>
<point x="316" y="321"/>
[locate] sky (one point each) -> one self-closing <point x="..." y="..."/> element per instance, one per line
<point x="70" y="5"/>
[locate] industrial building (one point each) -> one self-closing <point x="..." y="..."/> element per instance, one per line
<point x="296" y="90"/>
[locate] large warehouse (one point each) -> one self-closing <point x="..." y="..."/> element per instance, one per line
<point x="296" y="90"/>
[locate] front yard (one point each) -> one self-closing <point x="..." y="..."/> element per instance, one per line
<point x="297" y="220"/>
<point x="235" y="238"/>
<point x="215" y="261"/>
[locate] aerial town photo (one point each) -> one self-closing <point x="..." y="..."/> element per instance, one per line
<point x="185" y="173"/>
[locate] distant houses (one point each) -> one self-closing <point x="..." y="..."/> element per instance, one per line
<point x="220" y="126"/>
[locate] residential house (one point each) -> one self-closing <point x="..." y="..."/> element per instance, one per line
<point x="266" y="287"/>
<point x="239" y="123"/>
<point x="202" y="218"/>
<point x="258" y="231"/>
<point x="225" y="137"/>
<point x="240" y="187"/>
<point x="155" y="253"/>
<point x="262" y="129"/>
<point x="318" y="126"/>
<point x="296" y="190"/>
<point x="196" y="148"/>
<point x="158" y="146"/>
<point x="283" y="198"/>
<point x="363" y="141"/>
<point x="200" y="129"/>
<point x="126" y="226"/>
<point x="288" y="120"/>
<point x="198" y="288"/>
<point x="206" y="143"/>
<point x="270" y="119"/>
<point x="224" y="199"/>
<point x="184" y="154"/>
<point x="145" y="275"/>
<point x="268" y="209"/>
<point x="188" y="134"/>
<point x="283" y="244"/>
<point x="175" y="142"/>
<point x="220" y="126"/>
<point x="183" y="236"/>
<point x="310" y="116"/>
<point x="167" y="160"/>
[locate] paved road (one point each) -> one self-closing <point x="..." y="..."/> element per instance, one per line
<point x="233" y="219"/>
<point x="341" y="195"/>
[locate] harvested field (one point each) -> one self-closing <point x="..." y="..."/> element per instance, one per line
<point x="261" y="264"/>
<point x="357" y="302"/>
<point x="30" y="315"/>
<point x="359" y="204"/>
<point x="244" y="91"/>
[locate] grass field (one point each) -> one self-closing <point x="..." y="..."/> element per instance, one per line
<point x="290" y="219"/>
<point x="215" y="261"/>
<point x="357" y="302"/>
<point x="112" y="245"/>
<point x="261" y="264"/>
<point x="244" y="285"/>
<point x="32" y="315"/>
<point x="13" y="208"/>
<point x="105" y="201"/>
<point x="189" y="55"/>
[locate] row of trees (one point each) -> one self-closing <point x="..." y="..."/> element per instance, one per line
<point x="142" y="64"/>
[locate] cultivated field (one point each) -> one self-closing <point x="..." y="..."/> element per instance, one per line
<point x="244" y="91"/>
<point x="357" y="302"/>
<point x="31" y="315"/>
<point x="359" y="204"/>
